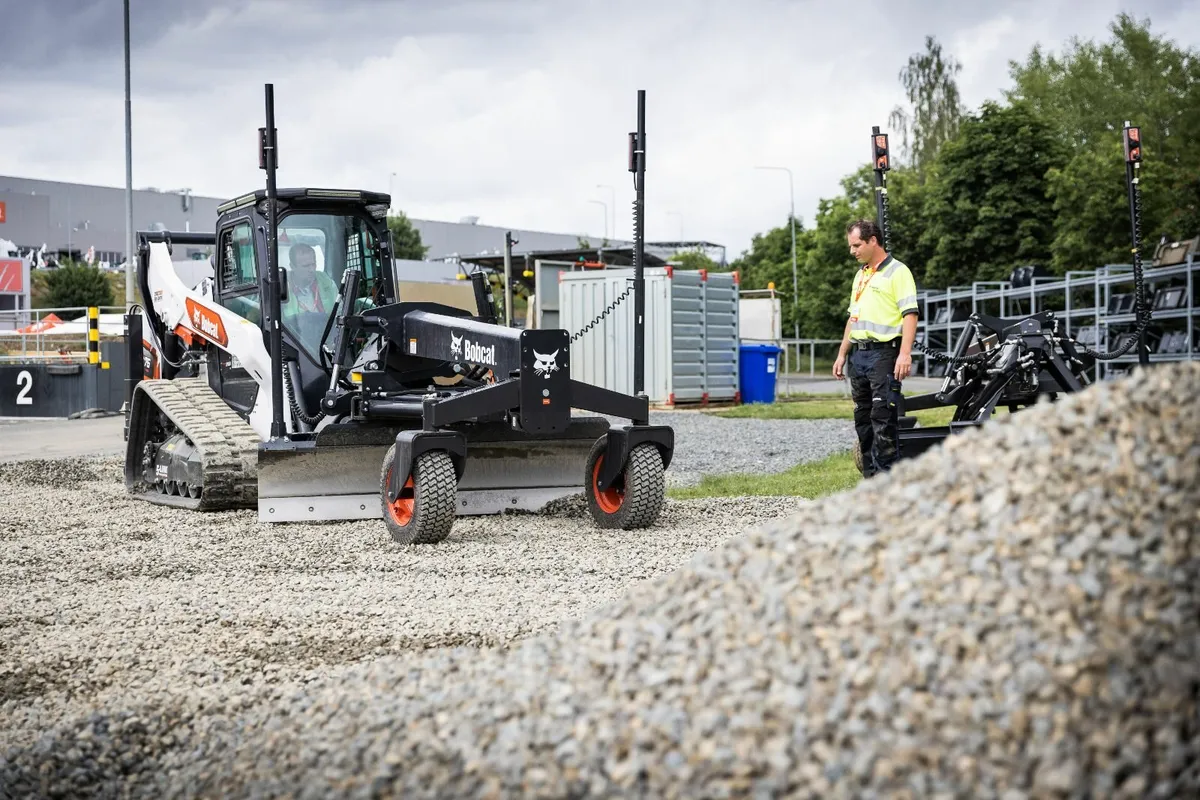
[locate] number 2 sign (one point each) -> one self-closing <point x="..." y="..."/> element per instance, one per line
<point x="25" y="386"/>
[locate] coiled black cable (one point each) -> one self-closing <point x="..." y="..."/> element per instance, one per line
<point x="607" y="310"/>
<point x="613" y="305"/>
<point x="291" y="396"/>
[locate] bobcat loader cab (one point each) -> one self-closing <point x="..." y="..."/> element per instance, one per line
<point x="321" y="234"/>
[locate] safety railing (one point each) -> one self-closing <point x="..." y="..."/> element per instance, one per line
<point x="68" y="335"/>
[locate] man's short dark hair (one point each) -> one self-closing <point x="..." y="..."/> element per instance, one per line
<point x="866" y="229"/>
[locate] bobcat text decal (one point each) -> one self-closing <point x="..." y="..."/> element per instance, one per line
<point x="473" y="351"/>
<point x="206" y="321"/>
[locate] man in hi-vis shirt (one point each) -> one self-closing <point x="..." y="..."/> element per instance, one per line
<point x="878" y="340"/>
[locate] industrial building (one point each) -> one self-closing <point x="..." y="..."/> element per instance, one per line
<point x="69" y="219"/>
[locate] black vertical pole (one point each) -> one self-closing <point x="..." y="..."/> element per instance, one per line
<point x="638" y="166"/>
<point x="1133" y="162"/>
<point x="879" y="159"/>
<point x="269" y="162"/>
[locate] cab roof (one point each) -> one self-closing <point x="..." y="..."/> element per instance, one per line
<point x="299" y="197"/>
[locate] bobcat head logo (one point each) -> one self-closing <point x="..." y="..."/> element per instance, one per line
<point x="544" y="365"/>
<point x="456" y="345"/>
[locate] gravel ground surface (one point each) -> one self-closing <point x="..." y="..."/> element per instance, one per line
<point x="1027" y="626"/>
<point x="104" y="600"/>
<point x="708" y="445"/>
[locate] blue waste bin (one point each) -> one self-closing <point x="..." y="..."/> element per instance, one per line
<point x="758" y="365"/>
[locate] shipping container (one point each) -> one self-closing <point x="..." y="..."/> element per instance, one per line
<point x="691" y="344"/>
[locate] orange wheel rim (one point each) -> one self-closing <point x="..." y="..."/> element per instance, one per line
<point x="401" y="509"/>
<point x="610" y="499"/>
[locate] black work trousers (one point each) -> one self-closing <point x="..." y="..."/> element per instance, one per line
<point x="875" y="391"/>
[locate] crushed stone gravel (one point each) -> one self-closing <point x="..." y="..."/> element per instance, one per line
<point x="1012" y="615"/>
<point x="104" y="599"/>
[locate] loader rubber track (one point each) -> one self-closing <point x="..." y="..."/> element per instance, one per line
<point x="227" y="444"/>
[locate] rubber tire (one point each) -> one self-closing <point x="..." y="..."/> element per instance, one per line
<point x="642" y="483"/>
<point x="435" y="492"/>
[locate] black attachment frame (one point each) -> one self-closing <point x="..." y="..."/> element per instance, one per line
<point x="637" y="165"/>
<point x="341" y="334"/>
<point x="268" y="160"/>
<point x="485" y="301"/>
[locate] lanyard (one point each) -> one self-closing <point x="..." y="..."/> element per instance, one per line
<point x="317" y="304"/>
<point x="862" y="287"/>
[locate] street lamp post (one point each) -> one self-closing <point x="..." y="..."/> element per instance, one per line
<point x="603" y="205"/>
<point x="613" y="193"/>
<point x="128" y="175"/>
<point x="678" y="214"/>
<point x="795" y="276"/>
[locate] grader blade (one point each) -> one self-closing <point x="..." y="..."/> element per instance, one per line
<point x="340" y="475"/>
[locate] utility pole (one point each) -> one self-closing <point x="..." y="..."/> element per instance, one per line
<point x="795" y="271"/>
<point x="129" y="293"/>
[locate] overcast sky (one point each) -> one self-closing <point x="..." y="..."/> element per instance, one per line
<point x="510" y="110"/>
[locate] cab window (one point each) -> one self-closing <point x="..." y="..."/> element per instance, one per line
<point x="239" y="272"/>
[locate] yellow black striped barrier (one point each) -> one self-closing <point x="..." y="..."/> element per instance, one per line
<point x="93" y="314"/>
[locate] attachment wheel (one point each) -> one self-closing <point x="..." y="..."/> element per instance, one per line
<point x="636" y="497"/>
<point x="424" y="511"/>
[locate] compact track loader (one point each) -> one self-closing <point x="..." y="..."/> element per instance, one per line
<point x="302" y="380"/>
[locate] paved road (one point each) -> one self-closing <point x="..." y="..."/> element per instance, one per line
<point x="22" y="439"/>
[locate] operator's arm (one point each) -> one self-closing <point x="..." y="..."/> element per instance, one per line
<point x="907" y="336"/>
<point x="904" y="289"/>
<point x="843" y="350"/>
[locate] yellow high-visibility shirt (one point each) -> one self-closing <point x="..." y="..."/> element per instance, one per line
<point x="880" y="299"/>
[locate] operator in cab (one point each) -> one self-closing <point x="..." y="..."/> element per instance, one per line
<point x="876" y="350"/>
<point x="311" y="294"/>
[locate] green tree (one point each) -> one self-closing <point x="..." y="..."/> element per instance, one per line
<point x="987" y="211"/>
<point x="910" y="238"/>
<point x="406" y="239"/>
<point x="1091" y="89"/>
<point x="936" y="110"/>
<point x="1091" y="204"/>
<point x="75" y="285"/>
<point x="769" y="260"/>
<point x="694" y="260"/>
<point x="827" y="271"/>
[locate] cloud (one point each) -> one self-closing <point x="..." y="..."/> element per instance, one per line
<point x="513" y="111"/>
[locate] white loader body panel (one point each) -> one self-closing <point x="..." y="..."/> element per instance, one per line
<point x="194" y="313"/>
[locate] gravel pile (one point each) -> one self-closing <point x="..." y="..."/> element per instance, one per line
<point x="709" y="445"/>
<point x="1012" y="615"/>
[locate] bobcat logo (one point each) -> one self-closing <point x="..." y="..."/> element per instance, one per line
<point x="455" y="345"/>
<point x="544" y="365"/>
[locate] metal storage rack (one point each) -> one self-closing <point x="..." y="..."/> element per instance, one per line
<point x="1095" y="305"/>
